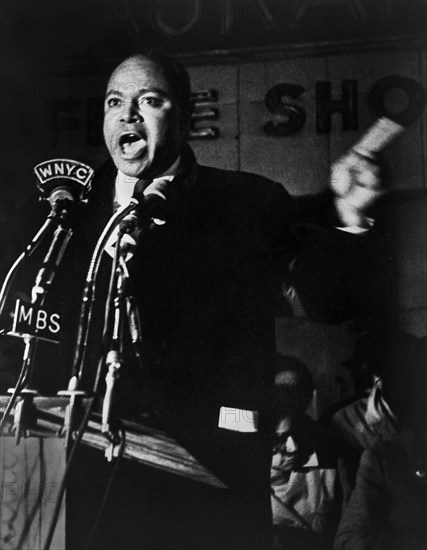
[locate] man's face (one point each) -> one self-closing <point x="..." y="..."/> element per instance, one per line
<point x="143" y="123"/>
<point x="285" y="450"/>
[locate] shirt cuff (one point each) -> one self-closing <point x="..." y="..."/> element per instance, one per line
<point x="356" y="229"/>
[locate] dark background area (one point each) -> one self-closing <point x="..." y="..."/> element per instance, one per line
<point x="58" y="35"/>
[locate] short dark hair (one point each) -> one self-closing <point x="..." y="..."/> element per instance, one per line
<point x="175" y="73"/>
<point x="303" y="389"/>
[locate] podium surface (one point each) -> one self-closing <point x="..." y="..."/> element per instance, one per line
<point x="154" y="470"/>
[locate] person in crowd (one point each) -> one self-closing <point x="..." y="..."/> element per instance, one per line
<point x="370" y="418"/>
<point x="207" y="280"/>
<point x="305" y="487"/>
<point x="388" y="507"/>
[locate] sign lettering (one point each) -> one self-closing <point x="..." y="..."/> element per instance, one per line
<point x="30" y="320"/>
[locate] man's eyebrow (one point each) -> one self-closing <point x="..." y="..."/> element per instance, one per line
<point x="158" y="91"/>
<point x="114" y="92"/>
<point x="129" y="87"/>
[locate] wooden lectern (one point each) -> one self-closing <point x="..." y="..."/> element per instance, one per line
<point x="158" y="489"/>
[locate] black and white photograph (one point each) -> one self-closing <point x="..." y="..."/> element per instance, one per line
<point x="213" y="275"/>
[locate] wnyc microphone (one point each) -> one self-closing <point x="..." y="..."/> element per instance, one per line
<point x="63" y="182"/>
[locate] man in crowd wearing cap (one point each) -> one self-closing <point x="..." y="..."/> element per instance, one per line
<point x="371" y="417"/>
<point x="305" y="486"/>
<point x="388" y="506"/>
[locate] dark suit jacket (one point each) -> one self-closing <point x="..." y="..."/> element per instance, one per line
<point x="388" y="506"/>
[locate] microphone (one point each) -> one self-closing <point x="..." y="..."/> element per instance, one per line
<point x="151" y="203"/>
<point x="60" y="198"/>
<point x="63" y="182"/>
<point x="60" y="181"/>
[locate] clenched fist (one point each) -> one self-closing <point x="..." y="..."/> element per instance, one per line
<point x="356" y="183"/>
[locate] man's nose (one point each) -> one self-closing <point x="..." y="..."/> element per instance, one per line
<point x="130" y="112"/>
<point x="291" y="446"/>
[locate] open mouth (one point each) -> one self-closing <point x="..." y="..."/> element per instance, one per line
<point x="131" y="144"/>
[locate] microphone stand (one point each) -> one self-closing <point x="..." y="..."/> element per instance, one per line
<point x="116" y="311"/>
<point x="32" y="247"/>
<point x="118" y="279"/>
<point x="44" y="279"/>
<point x="114" y="358"/>
<point x="135" y="330"/>
<point x="88" y="299"/>
<point x="75" y="392"/>
<point x="120" y="304"/>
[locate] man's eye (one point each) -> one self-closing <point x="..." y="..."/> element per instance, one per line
<point x="150" y="100"/>
<point x="114" y="102"/>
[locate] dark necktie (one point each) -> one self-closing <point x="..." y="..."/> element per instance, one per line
<point x="130" y="239"/>
<point x="140" y="186"/>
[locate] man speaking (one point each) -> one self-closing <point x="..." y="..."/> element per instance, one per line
<point x="207" y="281"/>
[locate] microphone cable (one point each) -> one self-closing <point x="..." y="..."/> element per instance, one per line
<point x="89" y="293"/>
<point x="32" y="247"/>
<point x="86" y="313"/>
<point x="107" y="490"/>
<point x="16" y="391"/>
<point x="77" y="440"/>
